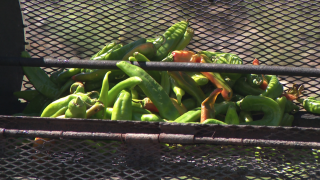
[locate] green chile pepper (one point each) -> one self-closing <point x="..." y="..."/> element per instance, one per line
<point x="222" y="107"/>
<point x="243" y="88"/>
<point x="104" y="49"/>
<point x="190" y="116"/>
<point x="173" y="35"/>
<point x="63" y="89"/>
<point x="151" y="89"/>
<point x="105" y="55"/>
<point x="148" y="49"/>
<point x="134" y="93"/>
<point x="245" y="116"/>
<point x="282" y="101"/>
<point x="127" y="83"/>
<point x="56" y="105"/>
<point x="179" y="92"/>
<point x="60" y="112"/>
<point x="137" y="112"/>
<point x="122" y="109"/>
<point x="291" y="107"/>
<point x="199" y="78"/>
<point x="103" y="97"/>
<point x="118" y="54"/>
<point x="287" y="120"/>
<point x="225" y="58"/>
<point x="54" y="77"/>
<point x="232" y="115"/>
<point x="189" y="103"/>
<point x="274" y="88"/>
<point x="36" y="105"/>
<point x="96" y="108"/>
<point x="187" y="37"/>
<point x="272" y="112"/>
<point x="66" y="75"/>
<point x="311" y="105"/>
<point x="76" y="109"/>
<point x="140" y="57"/>
<point x="254" y="80"/>
<point x="214" y="121"/>
<point x="27" y="95"/>
<point x="151" y="118"/>
<point x="41" y="81"/>
<point x="165" y="81"/>
<point x="188" y="84"/>
<point x="76" y="88"/>
<point x="99" y="74"/>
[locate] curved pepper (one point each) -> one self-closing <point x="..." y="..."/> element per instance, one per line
<point x="105" y="49"/>
<point x="56" y="105"/>
<point x="115" y="90"/>
<point x="214" y="121"/>
<point x="245" y="116"/>
<point x="232" y="115"/>
<point x="151" y="118"/>
<point x="148" y="49"/>
<point x="207" y="106"/>
<point x="185" y="82"/>
<point x="179" y="92"/>
<point x="173" y="36"/>
<point x="190" y="116"/>
<point x="243" y="88"/>
<point x="151" y="89"/>
<point x="76" y="88"/>
<point x="274" y="88"/>
<point x="225" y="58"/>
<point x="76" y="109"/>
<point x="311" y="105"/>
<point x="187" y="37"/>
<point x="122" y="109"/>
<point x="272" y="112"/>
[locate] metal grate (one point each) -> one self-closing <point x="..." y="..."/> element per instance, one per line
<point x="22" y="158"/>
<point x="278" y="33"/>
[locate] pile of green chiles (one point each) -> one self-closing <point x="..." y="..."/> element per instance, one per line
<point x="132" y="93"/>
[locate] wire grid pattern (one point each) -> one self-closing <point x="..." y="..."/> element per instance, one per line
<point x="280" y="33"/>
<point x="24" y="158"/>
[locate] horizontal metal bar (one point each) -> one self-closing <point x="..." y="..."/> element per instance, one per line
<point x="256" y="142"/>
<point x="156" y="138"/>
<point x="170" y="66"/>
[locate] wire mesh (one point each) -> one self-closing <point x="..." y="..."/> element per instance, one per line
<point x="26" y="158"/>
<point x="278" y="33"/>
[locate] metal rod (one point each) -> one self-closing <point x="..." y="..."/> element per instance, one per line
<point x="169" y="66"/>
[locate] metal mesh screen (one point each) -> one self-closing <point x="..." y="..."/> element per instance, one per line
<point x="23" y="158"/>
<point x="281" y="33"/>
<point x="278" y="33"/>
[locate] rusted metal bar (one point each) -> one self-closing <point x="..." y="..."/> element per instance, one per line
<point x="61" y="134"/>
<point x="141" y="138"/>
<point x="257" y="142"/>
<point x="156" y="138"/>
<point x="205" y="67"/>
<point x="176" y="138"/>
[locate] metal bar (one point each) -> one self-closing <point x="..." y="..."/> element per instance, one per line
<point x="156" y="138"/>
<point x="141" y="138"/>
<point x="170" y="66"/>
<point x="256" y="142"/>
<point x="61" y="134"/>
